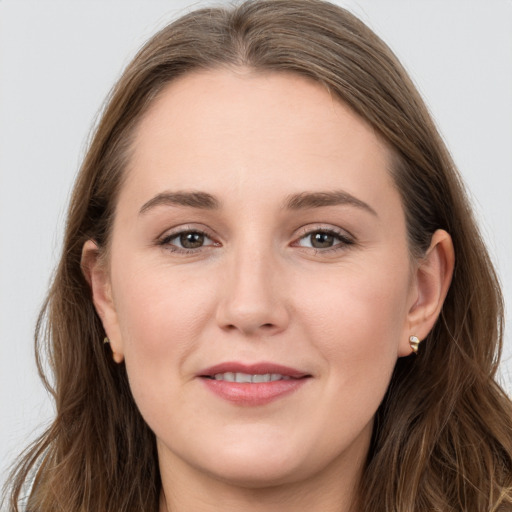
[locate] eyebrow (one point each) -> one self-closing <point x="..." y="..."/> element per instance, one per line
<point x="301" y="201"/>
<point x="200" y="200"/>
<point x="306" y="200"/>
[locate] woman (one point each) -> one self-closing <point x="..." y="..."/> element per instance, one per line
<point x="265" y="230"/>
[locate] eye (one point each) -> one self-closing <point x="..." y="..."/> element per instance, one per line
<point x="191" y="240"/>
<point x="324" y="239"/>
<point x="188" y="240"/>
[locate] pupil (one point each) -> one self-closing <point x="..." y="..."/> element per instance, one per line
<point x="191" y="240"/>
<point x="322" y="240"/>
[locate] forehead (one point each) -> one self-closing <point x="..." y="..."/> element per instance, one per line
<point x="230" y="130"/>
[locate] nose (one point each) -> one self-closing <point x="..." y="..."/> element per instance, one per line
<point x="253" y="300"/>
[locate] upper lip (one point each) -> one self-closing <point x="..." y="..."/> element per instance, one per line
<point x="252" y="369"/>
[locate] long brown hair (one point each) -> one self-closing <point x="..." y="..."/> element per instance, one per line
<point x="442" y="439"/>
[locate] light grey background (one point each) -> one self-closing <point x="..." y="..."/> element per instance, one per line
<point x="58" y="60"/>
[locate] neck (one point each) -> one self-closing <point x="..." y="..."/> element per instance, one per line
<point x="274" y="499"/>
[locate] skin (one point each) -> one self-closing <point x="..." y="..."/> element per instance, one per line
<point x="257" y="289"/>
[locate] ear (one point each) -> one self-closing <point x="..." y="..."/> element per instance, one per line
<point x="433" y="275"/>
<point x="96" y="273"/>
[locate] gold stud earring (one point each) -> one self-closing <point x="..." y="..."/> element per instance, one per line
<point x="414" y="343"/>
<point x="118" y="358"/>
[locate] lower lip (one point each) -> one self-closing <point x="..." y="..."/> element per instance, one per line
<point x="252" y="394"/>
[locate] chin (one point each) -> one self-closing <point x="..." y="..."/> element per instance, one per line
<point x="261" y="464"/>
<point x="257" y="474"/>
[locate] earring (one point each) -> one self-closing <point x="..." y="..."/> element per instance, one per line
<point x="118" y="358"/>
<point x="414" y="343"/>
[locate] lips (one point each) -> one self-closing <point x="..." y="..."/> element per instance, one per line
<point x="254" y="384"/>
<point x="250" y="377"/>
<point x="252" y="369"/>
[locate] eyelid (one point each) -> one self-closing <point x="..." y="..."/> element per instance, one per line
<point x="326" y="228"/>
<point x="171" y="233"/>
<point x="345" y="237"/>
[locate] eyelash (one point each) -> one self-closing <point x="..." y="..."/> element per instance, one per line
<point x="343" y="240"/>
<point x="165" y="241"/>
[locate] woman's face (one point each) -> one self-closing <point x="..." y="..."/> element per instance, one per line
<point x="258" y="237"/>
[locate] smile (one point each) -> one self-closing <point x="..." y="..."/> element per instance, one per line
<point x="254" y="384"/>
<point x="250" y="378"/>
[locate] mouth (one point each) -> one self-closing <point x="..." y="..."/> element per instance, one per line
<point x="255" y="384"/>
<point x="248" y="377"/>
<point x="252" y="373"/>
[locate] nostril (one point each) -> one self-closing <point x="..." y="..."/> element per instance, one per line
<point x="266" y="327"/>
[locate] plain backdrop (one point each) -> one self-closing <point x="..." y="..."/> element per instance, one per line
<point x="58" y="60"/>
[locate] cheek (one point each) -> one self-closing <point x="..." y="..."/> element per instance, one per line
<point x="356" y="319"/>
<point x="155" y="302"/>
<point x="356" y="323"/>
<point x="355" y="308"/>
<point x="161" y="313"/>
